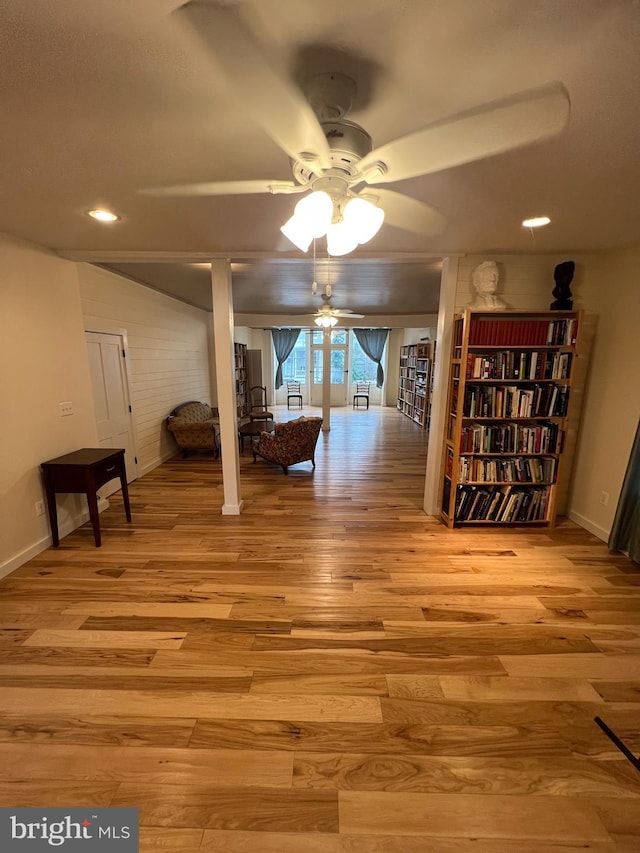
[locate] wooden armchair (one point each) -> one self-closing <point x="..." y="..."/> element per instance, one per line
<point x="290" y="443"/>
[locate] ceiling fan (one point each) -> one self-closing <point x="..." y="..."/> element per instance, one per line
<point x="334" y="158"/>
<point x="328" y="316"/>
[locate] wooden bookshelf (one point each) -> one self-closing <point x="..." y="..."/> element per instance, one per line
<point x="242" y="408"/>
<point x="414" y="382"/>
<point x="512" y="404"/>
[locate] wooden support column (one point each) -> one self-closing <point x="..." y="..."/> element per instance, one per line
<point x="223" y="329"/>
<point x="448" y="287"/>
<point x="326" y="379"/>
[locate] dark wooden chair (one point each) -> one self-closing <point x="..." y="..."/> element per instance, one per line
<point x="361" y="393"/>
<point x="293" y="393"/>
<point x="258" y="410"/>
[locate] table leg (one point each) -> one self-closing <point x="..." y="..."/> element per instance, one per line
<point x="125" y="495"/>
<point x="94" y="515"/>
<point x="52" y="510"/>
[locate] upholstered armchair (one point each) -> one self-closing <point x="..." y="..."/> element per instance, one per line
<point x="291" y="442"/>
<point x="195" y="426"/>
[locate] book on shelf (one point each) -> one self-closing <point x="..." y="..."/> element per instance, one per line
<point x="509" y="504"/>
<point x="522" y="332"/>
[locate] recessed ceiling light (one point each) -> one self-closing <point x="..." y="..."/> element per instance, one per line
<point x="536" y="222"/>
<point x="103" y="215"/>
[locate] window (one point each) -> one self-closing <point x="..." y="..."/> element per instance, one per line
<point x="338" y="336"/>
<point x="362" y="368"/>
<point x="294" y="369"/>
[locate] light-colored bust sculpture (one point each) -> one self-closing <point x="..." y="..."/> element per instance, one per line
<point x="485" y="280"/>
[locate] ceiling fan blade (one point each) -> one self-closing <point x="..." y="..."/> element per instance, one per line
<point x="272" y="100"/>
<point x="347" y="313"/>
<point x="224" y="188"/>
<point x="491" y="129"/>
<point x="407" y="213"/>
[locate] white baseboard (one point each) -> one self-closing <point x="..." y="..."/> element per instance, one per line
<point x="42" y="544"/>
<point x="598" y="531"/>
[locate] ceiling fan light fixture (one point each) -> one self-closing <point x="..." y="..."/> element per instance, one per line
<point x="326" y="321"/>
<point x="298" y="231"/>
<point x="363" y="218"/>
<point x="316" y="211"/>
<point x="340" y="239"/>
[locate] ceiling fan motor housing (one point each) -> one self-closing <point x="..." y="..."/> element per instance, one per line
<point x="348" y="144"/>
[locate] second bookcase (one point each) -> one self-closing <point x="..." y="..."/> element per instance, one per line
<point x="414" y="382"/>
<point x="511" y="406"/>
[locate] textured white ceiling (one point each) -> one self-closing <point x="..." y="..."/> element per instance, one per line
<point x="101" y="98"/>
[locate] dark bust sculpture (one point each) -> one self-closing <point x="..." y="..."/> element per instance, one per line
<point x="563" y="275"/>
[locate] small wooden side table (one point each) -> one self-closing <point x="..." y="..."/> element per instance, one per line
<point x="83" y="472"/>
<point x="252" y="428"/>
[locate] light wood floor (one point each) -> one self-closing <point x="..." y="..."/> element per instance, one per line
<point x="330" y="672"/>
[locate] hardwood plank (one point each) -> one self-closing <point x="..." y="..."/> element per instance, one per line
<point x="525" y="775"/>
<point x="416" y="739"/>
<point x="221" y="841"/>
<point x="14" y="700"/>
<point x="615" y="667"/>
<point x="480" y="815"/>
<point x="32" y="794"/>
<point x="327" y="661"/>
<point x="364" y="685"/>
<point x="211" y="807"/>
<point x="119" y="729"/>
<point x="106" y="639"/>
<point x="496" y="688"/>
<point x="436" y="644"/>
<point x="153" y="838"/>
<point x="146" y="765"/>
<point x="140" y="609"/>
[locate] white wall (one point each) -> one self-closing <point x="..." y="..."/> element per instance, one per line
<point x="526" y="281"/>
<point x="43" y="360"/>
<point x="46" y="304"/>
<point x="612" y="401"/>
<point x="169" y="358"/>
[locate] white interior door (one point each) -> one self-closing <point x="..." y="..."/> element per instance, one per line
<point x="339" y="367"/>
<point x="111" y="400"/>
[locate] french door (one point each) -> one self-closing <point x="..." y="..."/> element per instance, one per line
<point x="339" y="366"/>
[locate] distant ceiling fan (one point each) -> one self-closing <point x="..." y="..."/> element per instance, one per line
<point x="333" y="160"/>
<point x="327" y="316"/>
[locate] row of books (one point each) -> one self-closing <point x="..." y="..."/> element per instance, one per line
<point x="512" y="401"/>
<point x="501" y="503"/>
<point x="510" y="364"/>
<point x="522" y="332"/>
<point x="514" y="469"/>
<point x="511" y="438"/>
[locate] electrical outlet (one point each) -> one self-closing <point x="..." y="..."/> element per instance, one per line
<point x="604" y="498"/>
<point x="66" y="408"/>
<point x="39" y="507"/>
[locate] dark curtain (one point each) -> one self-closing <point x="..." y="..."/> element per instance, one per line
<point x="284" y="341"/>
<point x="625" y="533"/>
<point x="372" y="342"/>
